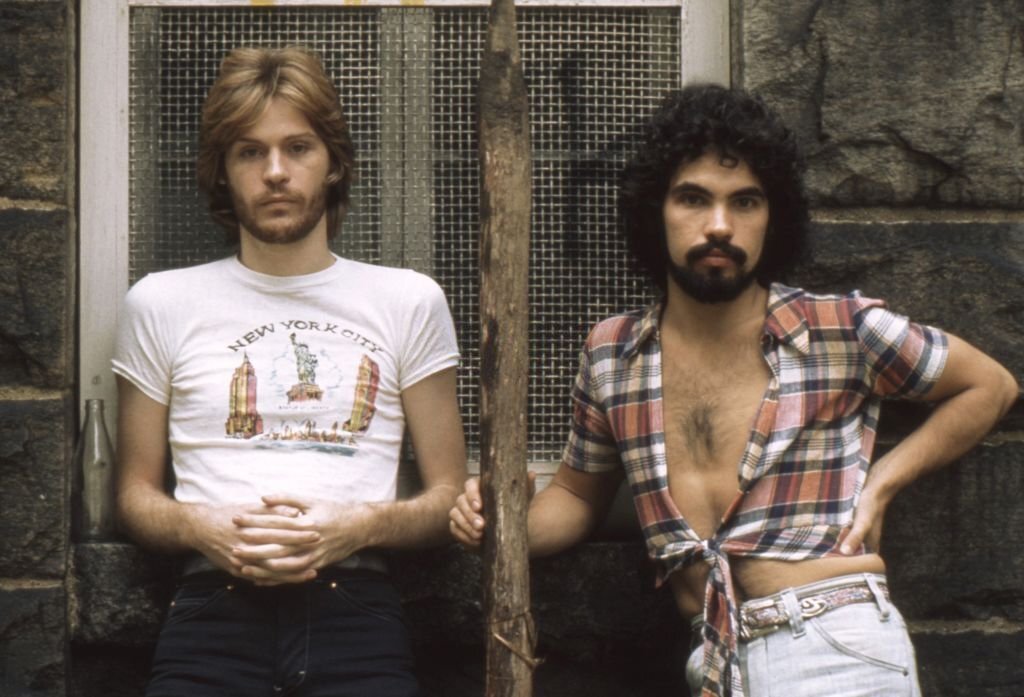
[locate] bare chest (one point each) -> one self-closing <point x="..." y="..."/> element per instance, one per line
<point x="709" y="402"/>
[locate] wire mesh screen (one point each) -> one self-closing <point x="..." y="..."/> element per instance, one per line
<point x="407" y="77"/>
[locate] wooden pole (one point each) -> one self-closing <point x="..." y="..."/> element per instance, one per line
<point x="504" y="270"/>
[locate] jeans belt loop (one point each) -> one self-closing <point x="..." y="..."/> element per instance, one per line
<point x="793" y="612"/>
<point x="884" y="607"/>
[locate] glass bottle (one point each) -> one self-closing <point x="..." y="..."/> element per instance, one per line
<point x="94" y="477"/>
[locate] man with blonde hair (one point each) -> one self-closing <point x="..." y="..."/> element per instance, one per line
<point x="281" y="514"/>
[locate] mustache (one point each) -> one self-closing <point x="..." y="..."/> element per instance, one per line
<point x="278" y="197"/>
<point x="737" y="255"/>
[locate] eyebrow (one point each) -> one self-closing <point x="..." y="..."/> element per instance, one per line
<point x="750" y="191"/>
<point x="295" y="136"/>
<point x="691" y="188"/>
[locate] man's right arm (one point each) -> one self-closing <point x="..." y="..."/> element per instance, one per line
<point x="560" y="516"/>
<point x="153" y="518"/>
<point x="145" y="511"/>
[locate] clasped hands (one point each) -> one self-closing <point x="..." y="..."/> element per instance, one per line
<point x="282" y="539"/>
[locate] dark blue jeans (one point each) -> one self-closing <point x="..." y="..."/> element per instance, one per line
<point x="340" y="636"/>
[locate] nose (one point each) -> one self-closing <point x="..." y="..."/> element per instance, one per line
<point x="720" y="223"/>
<point x="275" y="171"/>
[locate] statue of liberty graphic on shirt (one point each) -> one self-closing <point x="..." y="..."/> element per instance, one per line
<point x="305" y="366"/>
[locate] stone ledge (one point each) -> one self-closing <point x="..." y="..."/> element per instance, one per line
<point x="603" y="630"/>
<point x="119" y="594"/>
<point x="601" y="634"/>
<point x="121" y="591"/>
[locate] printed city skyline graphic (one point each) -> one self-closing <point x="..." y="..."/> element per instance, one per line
<point x="310" y="426"/>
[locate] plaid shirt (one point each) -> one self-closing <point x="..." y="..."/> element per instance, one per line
<point x="832" y="360"/>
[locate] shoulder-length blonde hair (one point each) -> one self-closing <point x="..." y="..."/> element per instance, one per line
<point x="249" y="78"/>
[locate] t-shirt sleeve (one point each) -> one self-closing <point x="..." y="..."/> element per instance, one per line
<point x="429" y="343"/>
<point x="591" y="446"/>
<point x="904" y="359"/>
<point x="141" y="352"/>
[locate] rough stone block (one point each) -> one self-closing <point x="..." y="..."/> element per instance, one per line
<point x="34" y="452"/>
<point x="965" y="278"/>
<point x="34" y="100"/>
<point x="32" y="634"/>
<point x="34" y="304"/>
<point x="905" y="103"/>
<point x="969" y="662"/>
<point x="953" y="539"/>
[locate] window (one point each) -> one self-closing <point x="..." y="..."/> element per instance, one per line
<point x="407" y="77"/>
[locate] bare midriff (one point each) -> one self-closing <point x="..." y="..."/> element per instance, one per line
<point x="757" y="578"/>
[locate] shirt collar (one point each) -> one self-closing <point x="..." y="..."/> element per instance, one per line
<point x="643" y="330"/>
<point x="785" y="321"/>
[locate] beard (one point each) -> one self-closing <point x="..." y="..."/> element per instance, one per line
<point x="711" y="285"/>
<point x="281" y="229"/>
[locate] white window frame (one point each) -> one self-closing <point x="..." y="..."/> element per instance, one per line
<point x="104" y="143"/>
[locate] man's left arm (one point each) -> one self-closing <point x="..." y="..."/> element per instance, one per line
<point x="435" y="426"/>
<point x="972" y="394"/>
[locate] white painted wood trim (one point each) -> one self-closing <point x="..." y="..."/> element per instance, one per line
<point x="103" y="193"/>
<point x="704" y="38"/>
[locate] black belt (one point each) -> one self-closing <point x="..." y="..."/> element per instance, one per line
<point x="365" y="560"/>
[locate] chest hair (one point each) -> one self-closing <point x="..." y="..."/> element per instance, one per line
<point x="710" y="402"/>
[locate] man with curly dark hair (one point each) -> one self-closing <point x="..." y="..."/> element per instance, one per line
<point x="689" y="123"/>
<point x="743" y="413"/>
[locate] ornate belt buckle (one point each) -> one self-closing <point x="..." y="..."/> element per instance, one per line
<point x="812" y="607"/>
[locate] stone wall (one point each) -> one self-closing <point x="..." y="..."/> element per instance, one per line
<point x="37" y="186"/>
<point x="911" y="114"/>
<point x="912" y="117"/>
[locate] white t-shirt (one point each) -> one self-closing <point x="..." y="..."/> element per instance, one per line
<point x="284" y="384"/>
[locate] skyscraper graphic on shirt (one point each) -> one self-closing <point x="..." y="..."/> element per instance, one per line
<point x="364" y="403"/>
<point x="244" y="421"/>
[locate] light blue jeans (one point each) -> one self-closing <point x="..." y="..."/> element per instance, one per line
<point x="858" y="650"/>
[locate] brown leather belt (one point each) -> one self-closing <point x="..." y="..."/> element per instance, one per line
<point x="763" y="616"/>
<point x="766" y="615"/>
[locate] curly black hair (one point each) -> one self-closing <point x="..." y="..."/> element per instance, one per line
<point x="734" y="123"/>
